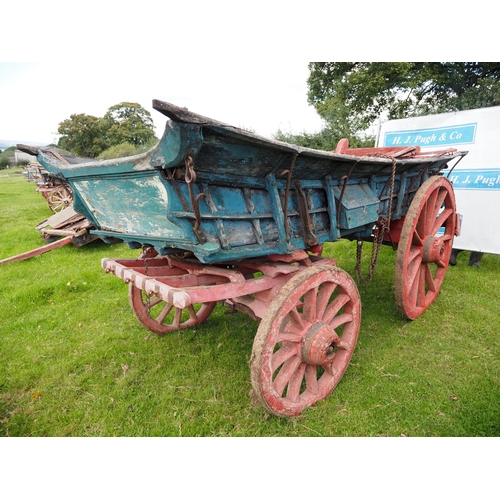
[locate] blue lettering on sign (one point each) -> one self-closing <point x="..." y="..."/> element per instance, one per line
<point x="427" y="137"/>
<point x="475" y="179"/>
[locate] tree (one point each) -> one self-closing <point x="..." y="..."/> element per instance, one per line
<point x="485" y="94"/>
<point x="126" y="149"/>
<point x="83" y="135"/>
<point x="129" y="122"/>
<point x="359" y="93"/>
<point x="351" y="96"/>
<point x="88" y="136"/>
<point x="6" y="158"/>
<point x="4" y="161"/>
<point x="326" y="139"/>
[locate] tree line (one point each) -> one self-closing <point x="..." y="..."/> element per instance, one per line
<point x="126" y="128"/>
<point x="7" y="158"/>
<point x="351" y="97"/>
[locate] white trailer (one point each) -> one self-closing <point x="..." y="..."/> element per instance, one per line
<point x="476" y="178"/>
<point x="20" y="156"/>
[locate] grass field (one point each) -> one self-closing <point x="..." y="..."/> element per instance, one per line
<point x="74" y="361"/>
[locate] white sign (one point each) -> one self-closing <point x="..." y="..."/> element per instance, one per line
<point x="476" y="178"/>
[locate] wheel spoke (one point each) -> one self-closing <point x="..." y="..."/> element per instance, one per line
<point x="293" y="337"/>
<point x="311" y="377"/>
<point x="429" y="279"/>
<point x="296" y="319"/>
<point x="431" y="209"/>
<point x="344" y="345"/>
<point x="441" y="196"/>
<point x="417" y="240"/>
<point x="164" y="312"/>
<point x="330" y="369"/>
<point x="176" y="323"/>
<point x="283" y="354"/>
<point x="441" y="219"/>
<point x="324" y="295"/>
<point x="295" y="383"/>
<point x="153" y="301"/>
<point x="341" y="319"/>
<point x="310" y="299"/>
<point x="415" y="253"/>
<point x="443" y="263"/>
<point x="340" y="301"/>
<point x="414" y="280"/>
<point x="192" y="312"/>
<point x="413" y="269"/>
<point x="285" y="373"/>
<point x="421" y="287"/>
<point x="420" y="228"/>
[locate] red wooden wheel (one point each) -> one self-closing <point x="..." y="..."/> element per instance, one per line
<point x="160" y="317"/>
<point x="305" y="340"/>
<point x="59" y="198"/>
<point x="425" y="246"/>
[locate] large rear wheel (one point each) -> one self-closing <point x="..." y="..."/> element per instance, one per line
<point x="425" y="246"/>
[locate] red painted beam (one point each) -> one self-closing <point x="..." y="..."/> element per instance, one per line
<point x="38" y="251"/>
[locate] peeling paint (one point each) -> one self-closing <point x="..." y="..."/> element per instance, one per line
<point x="142" y="164"/>
<point x="240" y="199"/>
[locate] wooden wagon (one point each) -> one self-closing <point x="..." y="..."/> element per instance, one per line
<point x="223" y="215"/>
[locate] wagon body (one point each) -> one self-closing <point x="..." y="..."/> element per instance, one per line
<point x="224" y="193"/>
<point x="223" y="215"/>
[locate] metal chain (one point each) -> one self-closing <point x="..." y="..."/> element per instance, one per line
<point x="190" y="177"/>
<point x="382" y="227"/>
<point x="287" y="192"/>
<point x="190" y="173"/>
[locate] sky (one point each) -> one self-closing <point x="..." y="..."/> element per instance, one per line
<point x="242" y="64"/>
<point x="262" y="96"/>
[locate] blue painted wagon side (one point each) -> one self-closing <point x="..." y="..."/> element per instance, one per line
<point x="226" y="194"/>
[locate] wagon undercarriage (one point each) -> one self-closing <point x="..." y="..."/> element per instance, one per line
<point x="308" y="310"/>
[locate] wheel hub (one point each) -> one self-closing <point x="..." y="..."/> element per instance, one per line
<point x="318" y="345"/>
<point x="434" y="248"/>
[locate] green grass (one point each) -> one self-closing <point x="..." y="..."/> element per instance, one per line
<point x="74" y="361"/>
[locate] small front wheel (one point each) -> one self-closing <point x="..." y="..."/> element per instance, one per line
<point x="161" y="317"/>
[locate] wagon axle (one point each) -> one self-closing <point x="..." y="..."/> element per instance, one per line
<point x="433" y="250"/>
<point x="318" y="346"/>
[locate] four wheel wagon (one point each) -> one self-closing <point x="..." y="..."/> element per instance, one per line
<point x="223" y="215"/>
